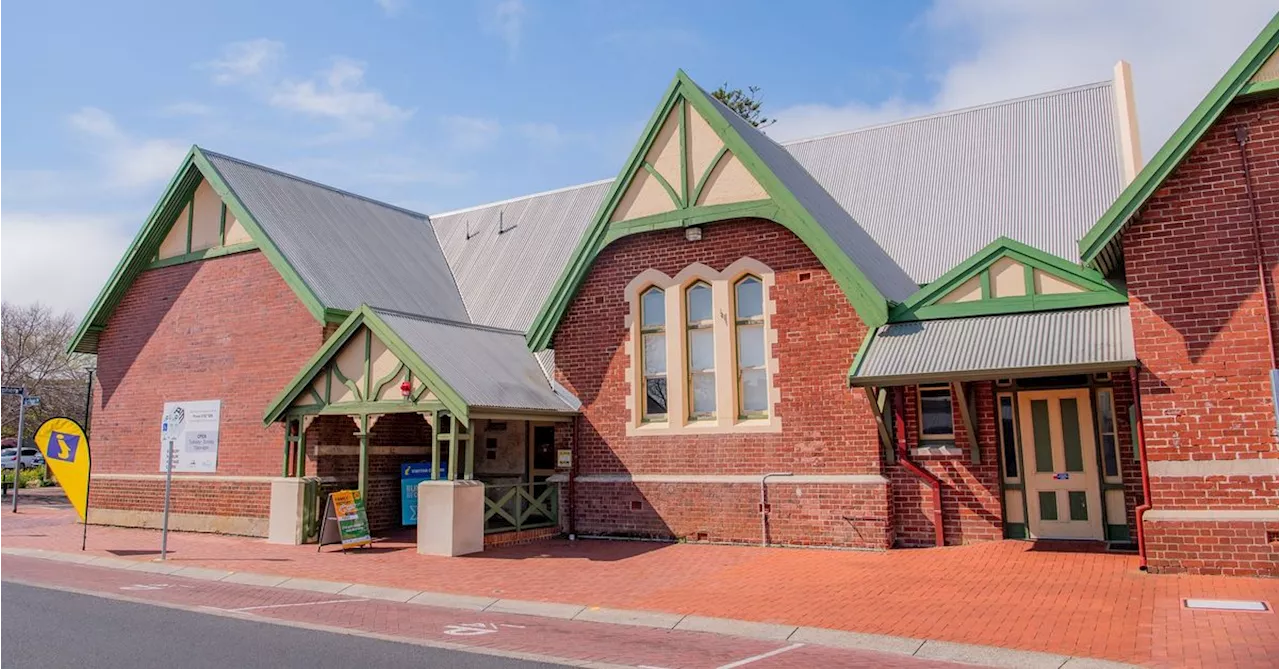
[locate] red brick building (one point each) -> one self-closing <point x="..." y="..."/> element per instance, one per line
<point x="882" y="338"/>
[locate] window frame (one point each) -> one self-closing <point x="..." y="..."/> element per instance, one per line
<point x="740" y="393"/>
<point x="645" y="415"/>
<point x="934" y="439"/>
<point x="690" y="327"/>
<point x="1006" y="447"/>
<point x="1110" y="394"/>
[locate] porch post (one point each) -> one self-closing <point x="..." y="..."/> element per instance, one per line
<point x="300" y="465"/>
<point x="470" y="457"/>
<point x="453" y="449"/>
<point x="364" y="455"/>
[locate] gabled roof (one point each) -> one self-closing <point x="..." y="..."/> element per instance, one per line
<point x="465" y="366"/>
<point x="1076" y="341"/>
<point x="927" y="302"/>
<point x="350" y="250"/>
<point x="1099" y="247"/>
<point x="791" y="198"/>
<point x="335" y="249"/>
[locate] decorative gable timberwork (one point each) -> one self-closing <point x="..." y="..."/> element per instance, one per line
<point x="204" y="224"/>
<point x="1009" y="277"/>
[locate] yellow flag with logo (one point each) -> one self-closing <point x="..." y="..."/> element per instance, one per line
<point x="66" y="451"/>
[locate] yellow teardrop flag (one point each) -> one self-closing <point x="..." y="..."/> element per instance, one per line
<point x="66" y="451"/>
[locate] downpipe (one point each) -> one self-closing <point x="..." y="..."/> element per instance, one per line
<point x="764" y="506"/>
<point x="1242" y="138"/>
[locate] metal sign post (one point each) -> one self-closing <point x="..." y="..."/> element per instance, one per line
<point x="168" y="485"/>
<point x="17" y="461"/>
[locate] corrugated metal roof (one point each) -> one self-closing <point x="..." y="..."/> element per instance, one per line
<point x="929" y="192"/>
<point x="863" y="249"/>
<point x="488" y="367"/>
<point x="934" y="190"/>
<point x="998" y="346"/>
<point x="349" y="249"/>
<point x="505" y="277"/>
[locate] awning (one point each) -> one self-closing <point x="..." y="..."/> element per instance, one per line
<point x="1044" y="343"/>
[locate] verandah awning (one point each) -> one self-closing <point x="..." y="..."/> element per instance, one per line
<point x="1044" y="343"/>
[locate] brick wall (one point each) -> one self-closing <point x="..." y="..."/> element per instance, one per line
<point x="826" y="428"/>
<point x="1200" y="325"/>
<point x="227" y="328"/>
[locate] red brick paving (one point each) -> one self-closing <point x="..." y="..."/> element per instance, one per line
<point x="1010" y="594"/>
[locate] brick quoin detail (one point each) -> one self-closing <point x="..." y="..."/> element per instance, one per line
<point x="1200" y="331"/>
<point x="227" y="328"/>
<point x="826" y="427"/>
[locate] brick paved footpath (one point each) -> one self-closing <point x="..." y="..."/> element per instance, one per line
<point x="1009" y="594"/>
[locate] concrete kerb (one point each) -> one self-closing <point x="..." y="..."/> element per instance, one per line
<point x="992" y="656"/>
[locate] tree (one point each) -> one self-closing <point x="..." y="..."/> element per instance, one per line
<point x="33" y="353"/>
<point x="744" y="103"/>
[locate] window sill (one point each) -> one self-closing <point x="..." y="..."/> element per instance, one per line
<point x="702" y="427"/>
<point x="940" y="450"/>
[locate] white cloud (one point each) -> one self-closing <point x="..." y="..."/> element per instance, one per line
<point x="339" y="94"/>
<point x="1008" y="48"/>
<point x="469" y="133"/>
<point x="129" y="162"/>
<point x="506" y="20"/>
<point x="59" y="259"/>
<point x="545" y="135"/>
<point x="392" y="7"/>
<point x="245" y="60"/>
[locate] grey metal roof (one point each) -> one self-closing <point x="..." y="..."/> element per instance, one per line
<point x="934" y="190"/>
<point x="998" y="346"/>
<point x="488" y="367"/>
<point x="505" y="277"/>
<point x="348" y="249"/>
<point x="863" y="249"/>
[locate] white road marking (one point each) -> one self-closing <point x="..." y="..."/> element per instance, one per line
<point x="280" y="606"/>
<point x="761" y="656"/>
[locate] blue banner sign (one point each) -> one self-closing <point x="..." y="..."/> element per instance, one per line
<point x="411" y="474"/>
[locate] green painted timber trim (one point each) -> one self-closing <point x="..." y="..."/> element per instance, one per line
<point x="222" y="223"/>
<point x="1040" y="436"/>
<point x="870" y="304"/>
<point x="1236" y="79"/>
<point x="1072" y="448"/>
<point x="862" y="352"/>
<point x="191" y="218"/>
<point x="142" y="250"/>
<point x="215" y="252"/>
<point x="924" y="305"/>
<point x="1029" y="279"/>
<point x="671" y="192"/>
<point x="684" y="156"/>
<point x="376" y="408"/>
<point x="1015" y="531"/>
<point x="1259" y="87"/>
<point x="380" y="384"/>
<point x="368" y="367"/>
<point x="336" y="315"/>
<point x="370" y="321"/>
<point x="1048" y="505"/>
<point x="706" y="174"/>
<point x="342" y="378"/>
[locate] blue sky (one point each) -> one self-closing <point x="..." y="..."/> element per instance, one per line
<point x="436" y="106"/>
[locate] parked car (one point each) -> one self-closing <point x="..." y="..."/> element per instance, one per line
<point x="31" y="458"/>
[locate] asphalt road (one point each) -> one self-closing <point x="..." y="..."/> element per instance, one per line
<point x="47" y="628"/>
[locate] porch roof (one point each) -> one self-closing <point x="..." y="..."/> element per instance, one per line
<point x="1043" y="343"/>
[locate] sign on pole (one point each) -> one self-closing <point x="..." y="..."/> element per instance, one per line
<point x="65" y="448"/>
<point x="33" y="401"/>
<point x="10" y="390"/>
<point x="191" y="429"/>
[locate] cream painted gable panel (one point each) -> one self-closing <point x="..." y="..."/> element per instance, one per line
<point x="1270" y="70"/>
<point x="969" y="291"/>
<point x="306" y="399"/>
<point x="664" y="154"/>
<point x="350" y="362"/>
<point x="730" y="182"/>
<point x="1048" y="284"/>
<point x="644" y="197"/>
<point x="1008" y="278"/>
<point x="236" y="234"/>
<point x="205" y="225"/>
<point x="384" y="362"/>
<point x="702" y="144"/>
<point x="175" y="243"/>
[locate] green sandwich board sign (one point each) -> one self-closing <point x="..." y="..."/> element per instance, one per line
<point x="345" y="521"/>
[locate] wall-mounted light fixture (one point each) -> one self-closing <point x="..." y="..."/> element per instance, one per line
<point x="693" y="234"/>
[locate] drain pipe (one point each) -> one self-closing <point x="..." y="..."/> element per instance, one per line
<point x="1142" y="463"/>
<point x="764" y="507"/>
<point x="1242" y="138"/>
<point x="575" y="450"/>
<point x="900" y="427"/>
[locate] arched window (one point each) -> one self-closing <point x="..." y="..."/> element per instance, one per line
<point x="653" y="321"/>
<point x="753" y="381"/>
<point x="702" y="347"/>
